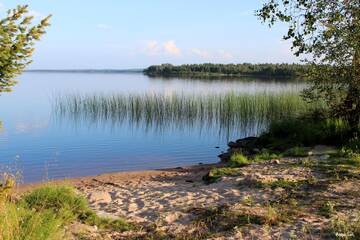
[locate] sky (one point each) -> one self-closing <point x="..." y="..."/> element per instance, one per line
<point x="127" y="34"/>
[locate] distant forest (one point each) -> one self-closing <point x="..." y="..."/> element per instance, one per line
<point x="245" y="69"/>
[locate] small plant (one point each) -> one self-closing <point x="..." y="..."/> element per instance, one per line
<point x="216" y="173"/>
<point x="286" y="184"/>
<point x="327" y="209"/>
<point x="345" y="228"/>
<point x="266" y="156"/>
<point x="221" y="219"/>
<point x="238" y="160"/>
<point x="248" y="200"/>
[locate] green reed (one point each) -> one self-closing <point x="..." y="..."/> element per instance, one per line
<point x="228" y="111"/>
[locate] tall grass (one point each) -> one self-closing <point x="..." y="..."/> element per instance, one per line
<point x="228" y="111"/>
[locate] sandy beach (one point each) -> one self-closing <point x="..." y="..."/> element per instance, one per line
<point x="174" y="201"/>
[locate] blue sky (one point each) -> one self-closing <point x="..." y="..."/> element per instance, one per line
<point x="137" y="33"/>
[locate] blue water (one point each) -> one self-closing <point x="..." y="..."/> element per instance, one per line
<point x="42" y="147"/>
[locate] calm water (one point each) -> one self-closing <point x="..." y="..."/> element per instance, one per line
<point x="43" y="146"/>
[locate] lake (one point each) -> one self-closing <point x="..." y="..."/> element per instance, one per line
<point x="43" y="144"/>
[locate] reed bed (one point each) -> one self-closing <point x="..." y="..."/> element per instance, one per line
<point x="227" y="111"/>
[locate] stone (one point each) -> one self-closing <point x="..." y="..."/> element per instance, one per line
<point x="246" y="142"/>
<point x="100" y="197"/>
<point x="224" y="157"/>
<point x="233" y="145"/>
<point x="275" y="161"/>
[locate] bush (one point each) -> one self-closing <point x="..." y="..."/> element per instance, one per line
<point x="353" y="144"/>
<point x="306" y="131"/>
<point x="238" y="160"/>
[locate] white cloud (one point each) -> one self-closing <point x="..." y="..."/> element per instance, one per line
<point x="201" y="53"/>
<point x="103" y="26"/>
<point x="171" y="48"/>
<point x="156" y="48"/>
<point x="214" y="55"/>
<point x="225" y="55"/>
<point x="152" y="48"/>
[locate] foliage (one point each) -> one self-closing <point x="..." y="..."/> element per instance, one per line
<point x="288" y="133"/>
<point x="17" y="37"/>
<point x="353" y="145"/>
<point x="328" y="33"/>
<point x="245" y="69"/>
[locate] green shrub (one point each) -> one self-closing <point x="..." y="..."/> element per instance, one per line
<point x="305" y="131"/>
<point x="238" y="160"/>
<point x="353" y="144"/>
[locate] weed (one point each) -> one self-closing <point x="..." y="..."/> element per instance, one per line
<point x="327" y="209"/>
<point x="345" y="228"/>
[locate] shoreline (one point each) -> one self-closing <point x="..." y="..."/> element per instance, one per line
<point x="118" y="175"/>
<point x="268" y="199"/>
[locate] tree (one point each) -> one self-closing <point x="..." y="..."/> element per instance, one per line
<point x="17" y="38"/>
<point x="327" y="34"/>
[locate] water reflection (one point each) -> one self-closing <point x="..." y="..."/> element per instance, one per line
<point x="172" y="122"/>
<point x="225" y="113"/>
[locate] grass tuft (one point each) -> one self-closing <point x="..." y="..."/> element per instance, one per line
<point x="238" y="160"/>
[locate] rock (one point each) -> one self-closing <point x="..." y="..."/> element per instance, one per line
<point x="247" y="140"/>
<point x="100" y="197"/>
<point x="132" y="207"/>
<point x="224" y="157"/>
<point x="275" y="161"/>
<point x="233" y="145"/>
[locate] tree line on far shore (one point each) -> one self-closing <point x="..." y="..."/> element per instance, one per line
<point x="244" y="69"/>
